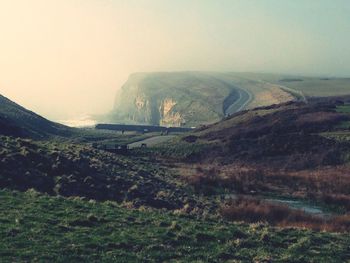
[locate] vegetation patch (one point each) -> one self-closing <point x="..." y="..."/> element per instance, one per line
<point x="284" y="136"/>
<point x="45" y="229"/>
<point x="78" y="170"/>
<point x="343" y="108"/>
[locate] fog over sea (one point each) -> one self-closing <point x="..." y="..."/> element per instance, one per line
<point x="84" y="121"/>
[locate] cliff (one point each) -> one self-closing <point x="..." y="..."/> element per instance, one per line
<point x="190" y="98"/>
<point x="170" y="99"/>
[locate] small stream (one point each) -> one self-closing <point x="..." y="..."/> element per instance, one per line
<point x="305" y="206"/>
<point x="301" y="205"/>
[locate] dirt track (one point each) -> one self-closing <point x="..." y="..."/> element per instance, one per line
<point x="151" y="141"/>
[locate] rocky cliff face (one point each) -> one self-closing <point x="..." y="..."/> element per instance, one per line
<point x="143" y="112"/>
<point x="166" y="115"/>
<point x="170" y="99"/>
<point x="169" y="116"/>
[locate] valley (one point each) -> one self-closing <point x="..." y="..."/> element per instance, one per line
<point x="262" y="184"/>
<point x="151" y="131"/>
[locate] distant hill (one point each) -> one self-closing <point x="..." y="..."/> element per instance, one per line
<point x="189" y="98"/>
<point x="19" y="122"/>
<point x="197" y="98"/>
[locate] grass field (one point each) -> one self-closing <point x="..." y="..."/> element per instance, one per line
<point x="309" y="86"/>
<point x="39" y="228"/>
<point x="321" y="87"/>
<point x="344" y="108"/>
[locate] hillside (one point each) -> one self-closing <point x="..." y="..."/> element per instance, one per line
<point x="66" y="169"/>
<point x="291" y="136"/>
<point x="20" y="122"/>
<point x="291" y="150"/>
<point x="276" y="133"/>
<point x="188" y="98"/>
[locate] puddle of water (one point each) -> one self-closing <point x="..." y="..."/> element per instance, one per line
<point x="293" y="204"/>
<point x="307" y="208"/>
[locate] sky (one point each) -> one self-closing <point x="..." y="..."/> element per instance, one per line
<point x="67" y="58"/>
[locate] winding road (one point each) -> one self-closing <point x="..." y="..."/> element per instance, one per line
<point x="244" y="97"/>
<point x="151" y="141"/>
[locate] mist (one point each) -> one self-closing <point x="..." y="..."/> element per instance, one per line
<point x="67" y="58"/>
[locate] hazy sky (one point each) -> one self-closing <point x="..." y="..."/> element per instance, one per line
<point x="63" y="58"/>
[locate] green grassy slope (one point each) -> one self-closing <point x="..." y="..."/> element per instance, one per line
<point x="39" y="228"/>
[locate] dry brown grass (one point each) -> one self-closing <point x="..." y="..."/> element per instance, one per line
<point x="330" y="185"/>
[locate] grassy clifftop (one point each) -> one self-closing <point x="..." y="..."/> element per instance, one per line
<point x="188" y="98"/>
<point x="308" y="86"/>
